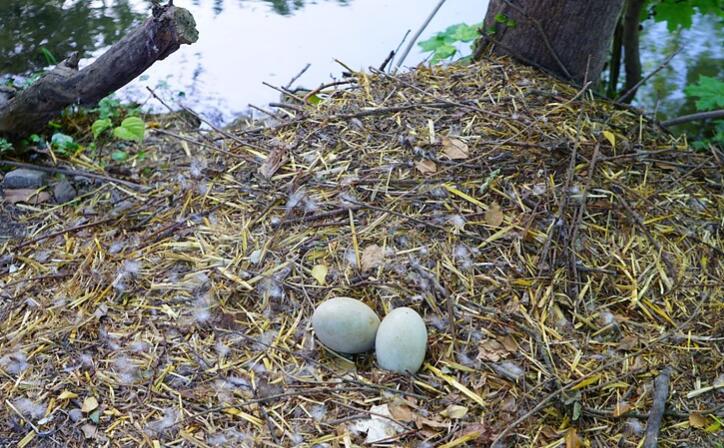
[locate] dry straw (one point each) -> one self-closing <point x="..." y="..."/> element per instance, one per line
<point x="562" y="251"/>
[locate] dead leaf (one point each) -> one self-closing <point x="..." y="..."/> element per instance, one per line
<point x="276" y="158"/>
<point x="611" y="137"/>
<point x="572" y="439"/>
<point x="494" y="216"/>
<point x="378" y="427"/>
<point x="455" y="149"/>
<point x="475" y="434"/>
<point x="621" y="408"/>
<point x="454" y="412"/>
<point x="67" y="395"/>
<point x="508" y="405"/>
<point x="89" y="431"/>
<point x="509" y="343"/>
<point x="426" y="167"/>
<point x="422" y="421"/>
<point x="89" y="404"/>
<point x="697" y="420"/>
<point x="628" y="343"/>
<point x="373" y="256"/>
<point x="492" y="350"/>
<point x="27" y="196"/>
<point x="319" y="272"/>
<point x="401" y="412"/>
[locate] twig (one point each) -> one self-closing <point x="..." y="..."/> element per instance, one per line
<point x="710" y="115"/>
<point x="640" y="223"/>
<point x="67" y="230"/>
<point x="541" y="404"/>
<point x="661" y="394"/>
<point x="387" y="60"/>
<point x="635" y="87"/>
<point x="324" y="86"/>
<point x="297" y="76"/>
<point x="70" y="172"/>
<point x="417" y="34"/>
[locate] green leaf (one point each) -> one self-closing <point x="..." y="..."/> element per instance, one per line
<point x="119" y="155"/>
<point x="132" y="128"/>
<point x="675" y="13"/>
<point x="465" y="33"/>
<point x="48" y="55"/>
<point x="108" y="107"/>
<point x="5" y="146"/>
<point x="501" y="18"/>
<point x="443" y="52"/>
<point x="710" y="92"/>
<point x="64" y="144"/>
<point x="434" y="42"/>
<point x="100" y="126"/>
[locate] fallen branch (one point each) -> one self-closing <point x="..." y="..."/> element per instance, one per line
<point x="699" y="116"/>
<point x="661" y="394"/>
<point x="162" y="34"/>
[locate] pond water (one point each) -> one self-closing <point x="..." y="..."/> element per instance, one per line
<point x="245" y="42"/>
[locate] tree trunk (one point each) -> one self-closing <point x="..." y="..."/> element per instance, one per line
<point x="615" y="66"/>
<point x="631" y="56"/>
<point x="568" y="37"/>
<point x="162" y="34"/>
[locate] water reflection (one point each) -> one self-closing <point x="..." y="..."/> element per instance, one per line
<point x="245" y="42"/>
<point x="60" y="26"/>
<point x="701" y="54"/>
<point x="281" y="7"/>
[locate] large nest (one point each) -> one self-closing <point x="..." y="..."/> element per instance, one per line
<point x="562" y="250"/>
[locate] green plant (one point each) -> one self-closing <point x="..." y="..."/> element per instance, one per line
<point x="48" y="56"/>
<point x="5" y="146"/>
<point x="132" y="129"/>
<point x="709" y="94"/>
<point x="109" y="107"/>
<point x="709" y="91"/>
<point x="64" y="145"/>
<point x="443" y="44"/>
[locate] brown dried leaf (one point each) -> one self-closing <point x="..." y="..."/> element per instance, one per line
<point x="421" y="421"/>
<point x="26" y="195"/>
<point x="401" y="412"/>
<point x="509" y="404"/>
<point x="494" y="216"/>
<point x="373" y="256"/>
<point x="276" y="158"/>
<point x="426" y="167"/>
<point x="455" y="149"/>
<point x="697" y="420"/>
<point x="628" y="343"/>
<point x="492" y="350"/>
<point x="621" y="408"/>
<point x="509" y="343"/>
<point x="572" y="439"/>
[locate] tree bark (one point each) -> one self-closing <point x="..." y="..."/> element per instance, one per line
<point x="570" y="38"/>
<point x="162" y="34"/>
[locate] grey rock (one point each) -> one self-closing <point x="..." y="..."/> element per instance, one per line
<point x="63" y="192"/>
<point x="24" y="178"/>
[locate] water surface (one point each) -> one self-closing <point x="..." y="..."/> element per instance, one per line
<point x="245" y="42"/>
